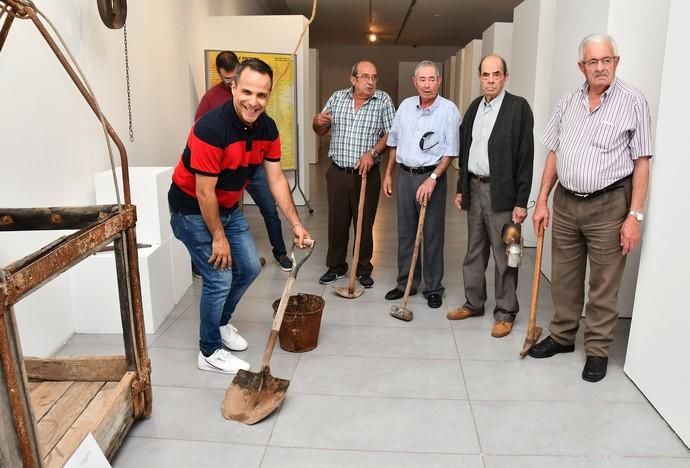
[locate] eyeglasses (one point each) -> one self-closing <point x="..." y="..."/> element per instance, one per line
<point x="606" y="61"/>
<point x="372" y="78"/>
<point x="426" y="140"/>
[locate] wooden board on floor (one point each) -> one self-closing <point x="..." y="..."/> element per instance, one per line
<point x="45" y="395"/>
<point x="85" y="423"/>
<point x="63" y="414"/>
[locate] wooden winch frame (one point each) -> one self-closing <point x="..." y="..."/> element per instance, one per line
<point x="96" y="227"/>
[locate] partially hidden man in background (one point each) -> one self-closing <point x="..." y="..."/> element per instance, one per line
<point x="226" y="63"/>
<point x="224" y="149"/>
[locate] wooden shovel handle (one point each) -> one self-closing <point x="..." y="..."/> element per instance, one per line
<point x="535" y="283"/>
<point x="358" y="234"/>
<point x="415" y="253"/>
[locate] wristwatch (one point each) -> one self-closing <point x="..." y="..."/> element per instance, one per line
<point x="637" y="215"/>
<point x="374" y="153"/>
<point x="433" y="176"/>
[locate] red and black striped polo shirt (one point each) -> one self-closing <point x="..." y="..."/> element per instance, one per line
<point x="221" y="145"/>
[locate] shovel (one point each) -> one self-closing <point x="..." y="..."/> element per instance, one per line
<point x="402" y="312"/>
<point x="533" y="331"/>
<point x="350" y="292"/>
<point x="254" y="395"/>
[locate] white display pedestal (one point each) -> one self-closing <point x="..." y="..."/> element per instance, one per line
<point x="95" y="301"/>
<point x="149" y="188"/>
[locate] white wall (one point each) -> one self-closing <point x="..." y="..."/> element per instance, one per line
<point x="498" y="39"/>
<point x="470" y="79"/>
<point x="273" y="34"/>
<point x="405" y="85"/>
<point x="658" y="346"/>
<point x="312" y="140"/>
<point x="453" y="78"/>
<point x="534" y="35"/>
<point x="459" y="59"/>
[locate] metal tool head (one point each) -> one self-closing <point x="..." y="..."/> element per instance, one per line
<point x="253" y="395"/>
<point x="529" y="342"/>
<point x="348" y="293"/>
<point x="401" y="313"/>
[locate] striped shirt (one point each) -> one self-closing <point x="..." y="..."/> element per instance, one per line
<point x="423" y="136"/>
<point x="354" y="132"/>
<point x="221" y="145"/>
<point x="595" y="149"/>
<point x="483" y="126"/>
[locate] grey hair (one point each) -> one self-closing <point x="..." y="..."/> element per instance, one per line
<point x="426" y="63"/>
<point x="596" y="39"/>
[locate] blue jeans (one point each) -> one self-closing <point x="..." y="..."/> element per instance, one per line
<point x="221" y="290"/>
<point x="261" y="194"/>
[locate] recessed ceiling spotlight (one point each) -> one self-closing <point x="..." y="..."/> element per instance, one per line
<point x="372" y="37"/>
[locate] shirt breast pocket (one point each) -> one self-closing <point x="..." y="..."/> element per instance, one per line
<point x="605" y="134"/>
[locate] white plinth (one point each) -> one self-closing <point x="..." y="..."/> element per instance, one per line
<point x="95" y="301"/>
<point x="149" y="188"/>
<point x="181" y="269"/>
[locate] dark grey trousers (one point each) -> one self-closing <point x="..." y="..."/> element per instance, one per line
<point x="430" y="260"/>
<point x="484" y="234"/>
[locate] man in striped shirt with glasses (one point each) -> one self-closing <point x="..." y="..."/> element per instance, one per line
<point x="599" y="141"/>
<point x="359" y="119"/>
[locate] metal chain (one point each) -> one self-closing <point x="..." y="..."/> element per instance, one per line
<point x="129" y="94"/>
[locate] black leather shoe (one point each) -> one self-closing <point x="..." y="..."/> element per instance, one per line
<point x="595" y="368"/>
<point x="396" y="293"/>
<point x="434" y="300"/>
<point x="549" y="347"/>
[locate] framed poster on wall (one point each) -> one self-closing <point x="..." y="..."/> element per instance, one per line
<point x="282" y="105"/>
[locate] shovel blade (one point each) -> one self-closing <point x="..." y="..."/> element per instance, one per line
<point x="401" y="313"/>
<point x="349" y="293"/>
<point x="253" y="395"/>
<point x="530" y="341"/>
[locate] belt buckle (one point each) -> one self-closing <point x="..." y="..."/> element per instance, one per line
<point x="581" y="195"/>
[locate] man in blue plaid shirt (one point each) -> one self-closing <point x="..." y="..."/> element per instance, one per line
<point x="359" y="119"/>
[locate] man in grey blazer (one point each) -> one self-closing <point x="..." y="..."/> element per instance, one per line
<point x="496" y="158"/>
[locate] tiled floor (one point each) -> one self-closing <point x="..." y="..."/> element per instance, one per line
<point x="378" y="392"/>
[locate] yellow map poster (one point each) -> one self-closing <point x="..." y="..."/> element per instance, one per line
<point x="281" y="104"/>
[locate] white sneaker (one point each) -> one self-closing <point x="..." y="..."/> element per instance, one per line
<point x="221" y="361"/>
<point x="231" y="339"/>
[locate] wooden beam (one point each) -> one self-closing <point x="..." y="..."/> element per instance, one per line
<point x="82" y="368"/>
<point x="60" y="217"/>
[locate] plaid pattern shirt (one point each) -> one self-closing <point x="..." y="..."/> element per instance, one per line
<point x="355" y="132"/>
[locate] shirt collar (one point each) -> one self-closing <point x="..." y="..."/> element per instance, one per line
<point x="584" y="89"/>
<point x="432" y="107"/>
<point x="495" y="102"/>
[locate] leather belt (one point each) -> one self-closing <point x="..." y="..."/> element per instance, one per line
<point x="346" y="170"/>
<point x="416" y="170"/>
<point x="588" y="196"/>
<point x="482" y="179"/>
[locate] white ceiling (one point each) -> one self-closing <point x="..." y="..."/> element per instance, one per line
<point x="430" y="23"/>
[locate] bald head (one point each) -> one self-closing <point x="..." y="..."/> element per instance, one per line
<point x="493" y="74"/>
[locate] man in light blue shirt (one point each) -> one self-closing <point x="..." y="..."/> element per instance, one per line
<point x="422" y="141"/>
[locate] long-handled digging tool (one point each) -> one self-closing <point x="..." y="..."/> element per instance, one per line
<point x="254" y="395"/>
<point x="533" y="331"/>
<point x="402" y="312"/>
<point x="351" y="292"/>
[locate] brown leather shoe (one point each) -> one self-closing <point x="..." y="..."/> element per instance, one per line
<point x="501" y="329"/>
<point x="461" y="314"/>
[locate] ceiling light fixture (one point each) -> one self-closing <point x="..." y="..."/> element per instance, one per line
<point x="371" y="35"/>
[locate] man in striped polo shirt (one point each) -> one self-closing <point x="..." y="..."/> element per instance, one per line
<point x="359" y="119"/>
<point x="223" y="151"/>
<point x="599" y="140"/>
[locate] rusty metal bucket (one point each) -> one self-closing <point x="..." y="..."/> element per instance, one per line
<point x="299" y="332"/>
